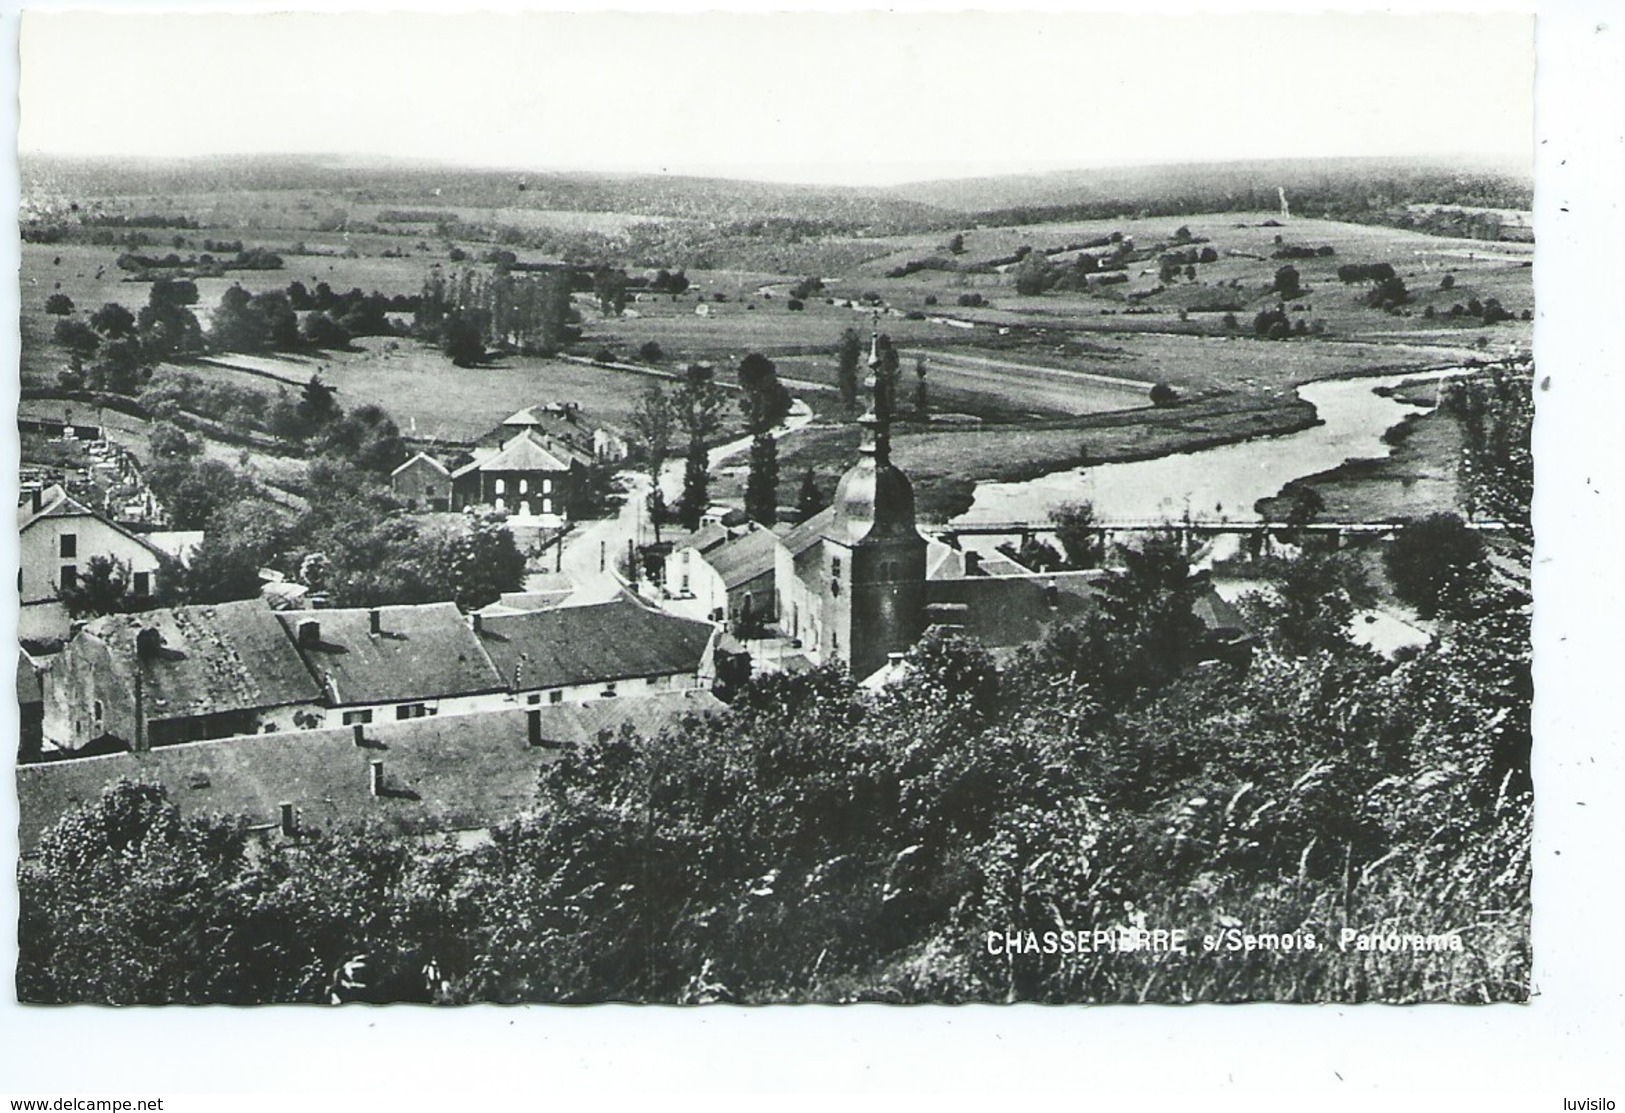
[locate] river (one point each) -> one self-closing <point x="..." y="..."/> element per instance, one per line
<point x="1218" y="484"/>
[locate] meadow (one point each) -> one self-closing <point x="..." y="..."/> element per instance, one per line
<point x="1028" y="367"/>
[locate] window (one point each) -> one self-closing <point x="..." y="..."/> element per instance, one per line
<point x="547" y="506"/>
<point x="143" y="583"/>
<point x="351" y="718"/>
<point x="547" y="486"/>
<point x="556" y="696"/>
<point x="501" y="487"/>
<point x="70" y="575"/>
<point x="99" y="714"/>
<point x="524" y="486"/>
<point x="411" y="711"/>
<point x="70" y="545"/>
<point x="534" y="698"/>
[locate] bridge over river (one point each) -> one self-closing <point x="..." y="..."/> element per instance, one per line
<point x="1335" y="533"/>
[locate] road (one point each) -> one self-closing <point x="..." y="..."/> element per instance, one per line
<point x="591" y="549"/>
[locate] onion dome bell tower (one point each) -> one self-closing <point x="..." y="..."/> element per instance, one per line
<point x="884" y="609"/>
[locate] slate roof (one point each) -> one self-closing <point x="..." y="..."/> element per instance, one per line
<point x="425" y="458"/>
<point x="1002" y="611"/>
<point x="524" y="452"/>
<point x="422" y="652"/>
<point x="442" y="773"/>
<point x="59" y="504"/>
<point x="578" y="723"/>
<point x="704" y="539"/>
<point x="55" y="503"/>
<point x="798" y="539"/>
<point x="29" y="690"/>
<point x="744" y="558"/>
<point x="218" y="657"/>
<point x="587" y="645"/>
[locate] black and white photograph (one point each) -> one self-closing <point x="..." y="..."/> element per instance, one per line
<point x="483" y="545"/>
<point x="722" y="508"/>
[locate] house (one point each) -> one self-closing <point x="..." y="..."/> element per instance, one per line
<point x="728" y="578"/>
<point x="527" y="477"/>
<point x="391" y="663"/>
<point x="422" y="483"/>
<point x="564" y="423"/>
<point x="448" y="774"/>
<point x="139" y="681"/>
<point x="30" y="706"/>
<point x="579" y="654"/>
<point x="58" y="536"/>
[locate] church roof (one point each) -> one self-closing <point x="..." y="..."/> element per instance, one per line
<point x="873" y="499"/>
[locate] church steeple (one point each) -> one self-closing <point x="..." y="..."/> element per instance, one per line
<point x="875" y="422"/>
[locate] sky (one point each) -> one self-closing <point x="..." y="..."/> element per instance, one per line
<point x="858" y="98"/>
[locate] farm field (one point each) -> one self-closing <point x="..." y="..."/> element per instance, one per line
<point x="1031" y="368"/>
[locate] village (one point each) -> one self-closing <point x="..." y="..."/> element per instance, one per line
<point x="229" y="704"/>
<point x="771" y="565"/>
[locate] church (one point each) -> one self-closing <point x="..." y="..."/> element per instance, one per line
<point x="859" y="584"/>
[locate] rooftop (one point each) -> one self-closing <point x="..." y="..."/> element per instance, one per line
<point x="617" y="640"/>
<point x="443" y="773"/>
<point x="524" y="452"/>
<point x="419" y="652"/>
<point x="1001" y="611"/>
<point x="422" y="458"/>
<point x="213" y="658"/>
<point x="743" y="558"/>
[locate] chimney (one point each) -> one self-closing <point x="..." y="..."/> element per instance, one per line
<point x="377" y="777"/>
<point x="1052" y="595"/>
<point x="39" y="499"/>
<point x="894" y="658"/>
<point x="290" y="825"/>
<point x="478" y="620"/>
<point x="310" y="632"/>
<point x="375" y="621"/>
<point x="533" y="726"/>
<point x="148" y="641"/>
<point x="359" y="733"/>
<point x="973" y="563"/>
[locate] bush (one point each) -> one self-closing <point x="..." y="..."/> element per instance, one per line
<point x="650" y="352"/>
<point x="1436" y="565"/>
<point x="1163" y="395"/>
<point x="794" y="305"/>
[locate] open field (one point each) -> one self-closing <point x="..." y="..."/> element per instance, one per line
<point x="1031" y="367"/>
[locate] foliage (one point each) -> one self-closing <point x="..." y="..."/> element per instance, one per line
<point x="102" y="586"/>
<point x="810" y="498"/>
<point x="1496" y="417"/>
<point x="1436" y="565"/>
<point x="699" y="403"/>
<point x="653" y="425"/>
<point x="848" y="354"/>
<point x="818" y="844"/>
<point x="1075" y="530"/>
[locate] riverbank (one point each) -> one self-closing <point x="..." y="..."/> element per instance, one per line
<point x="1419" y="478"/>
<point x="946" y="465"/>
